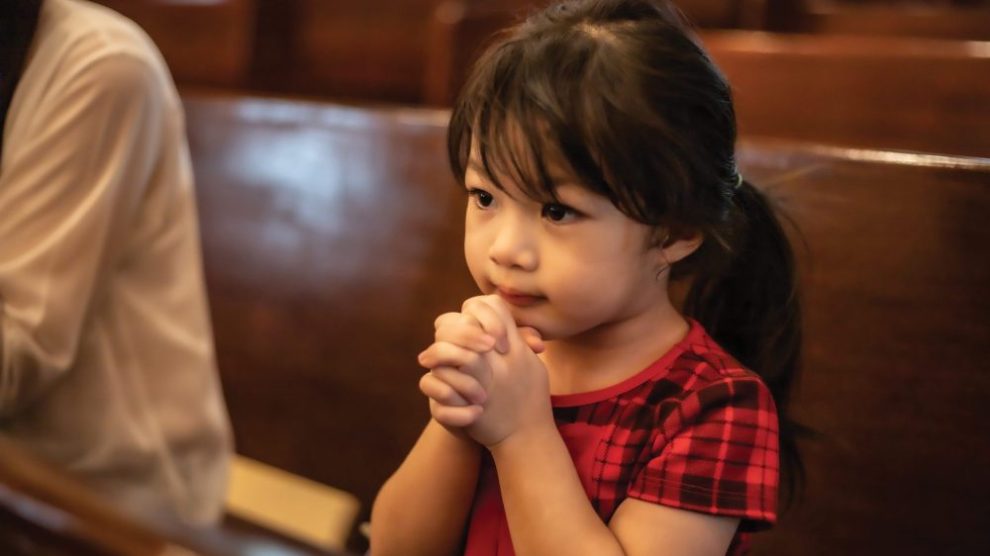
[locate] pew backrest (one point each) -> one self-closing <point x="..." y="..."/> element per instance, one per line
<point x="895" y="272"/>
<point x="876" y="92"/>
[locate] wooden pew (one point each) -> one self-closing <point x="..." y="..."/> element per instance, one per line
<point x="379" y="50"/>
<point x="204" y="43"/>
<point x="877" y="92"/>
<point x="458" y="30"/>
<point x="366" y="50"/>
<point x="332" y="239"/>
<point x="942" y="20"/>
<point x="895" y="275"/>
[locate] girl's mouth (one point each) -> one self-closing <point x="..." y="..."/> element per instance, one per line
<point x="519" y="299"/>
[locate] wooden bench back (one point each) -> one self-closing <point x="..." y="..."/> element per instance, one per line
<point x="204" y="43"/>
<point x="896" y="284"/>
<point x="878" y="92"/>
<point x="332" y="239"/>
<point x="888" y="92"/>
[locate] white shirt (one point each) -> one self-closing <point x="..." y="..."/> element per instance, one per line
<point x="107" y="354"/>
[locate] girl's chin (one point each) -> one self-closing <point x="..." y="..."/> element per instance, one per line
<point x="522" y="321"/>
<point x="545" y="334"/>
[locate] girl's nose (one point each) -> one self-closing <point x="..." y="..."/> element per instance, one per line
<point x="514" y="246"/>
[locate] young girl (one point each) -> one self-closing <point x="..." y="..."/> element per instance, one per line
<point x="576" y="409"/>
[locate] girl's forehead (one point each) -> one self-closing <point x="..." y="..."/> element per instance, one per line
<point x="514" y="160"/>
<point x="501" y="171"/>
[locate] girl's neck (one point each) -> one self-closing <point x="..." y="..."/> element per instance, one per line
<point x="612" y="353"/>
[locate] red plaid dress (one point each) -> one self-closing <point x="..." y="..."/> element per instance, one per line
<point x="694" y="430"/>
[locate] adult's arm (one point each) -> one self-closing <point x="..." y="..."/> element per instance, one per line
<point x="71" y="183"/>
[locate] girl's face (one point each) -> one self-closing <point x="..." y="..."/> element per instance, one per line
<point x="565" y="269"/>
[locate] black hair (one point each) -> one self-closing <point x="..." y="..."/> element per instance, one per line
<point x="622" y="92"/>
<point x="18" y="22"/>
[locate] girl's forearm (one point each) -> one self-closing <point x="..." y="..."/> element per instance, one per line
<point x="547" y="509"/>
<point x="423" y="507"/>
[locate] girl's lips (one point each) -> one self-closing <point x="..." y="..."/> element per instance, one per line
<point x="519" y="299"/>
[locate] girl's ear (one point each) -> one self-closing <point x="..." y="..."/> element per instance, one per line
<point x="675" y="249"/>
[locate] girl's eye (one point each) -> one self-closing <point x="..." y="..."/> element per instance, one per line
<point x="556" y="212"/>
<point x="482" y="198"/>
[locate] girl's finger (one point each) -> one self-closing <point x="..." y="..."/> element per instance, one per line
<point x="491" y="320"/>
<point x="500" y="307"/>
<point x="447" y="318"/>
<point x="466" y="385"/>
<point x="455" y="416"/>
<point x="446" y="354"/>
<point x="533" y="338"/>
<point x="470" y="336"/>
<point x="462" y="360"/>
<point x="440" y="392"/>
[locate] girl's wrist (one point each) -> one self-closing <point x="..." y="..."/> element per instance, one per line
<point x="525" y="442"/>
<point x="457" y="436"/>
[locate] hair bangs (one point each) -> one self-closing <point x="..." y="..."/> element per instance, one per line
<point x="514" y="119"/>
<point x="540" y="113"/>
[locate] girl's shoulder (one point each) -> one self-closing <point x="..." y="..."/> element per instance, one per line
<point x="706" y="381"/>
<point x="697" y="363"/>
<point x="702" y="361"/>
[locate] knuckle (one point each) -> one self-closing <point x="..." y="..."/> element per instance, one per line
<point x="475" y="390"/>
<point x="426" y="383"/>
<point x="473" y="359"/>
<point x="445" y="416"/>
<point x="445" y="350"/>
<point x="452" y="335"/>
<point x="445" y="317"/>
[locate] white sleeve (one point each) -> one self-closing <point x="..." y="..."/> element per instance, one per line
<point x="68" y="192"/>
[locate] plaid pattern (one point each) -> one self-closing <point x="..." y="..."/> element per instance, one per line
<point x="695" y="430"/>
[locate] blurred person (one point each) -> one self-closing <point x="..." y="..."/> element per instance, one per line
<point x="108" y="366"/>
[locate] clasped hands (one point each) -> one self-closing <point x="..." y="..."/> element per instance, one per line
<point x="485" y="378"/>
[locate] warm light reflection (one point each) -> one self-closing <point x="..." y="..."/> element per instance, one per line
<point x="906" y="158"/>
<point x="762" y="42"/>
<point x="195" y="2"/>
<point x="762" y="146"/>
<point x="313" y="190"/>
<point x="334" y="115"/>
<point x="979" y="49"/>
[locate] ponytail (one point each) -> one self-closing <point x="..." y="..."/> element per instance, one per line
<point x="751" y="308"/>
<point x="18" y="22"/>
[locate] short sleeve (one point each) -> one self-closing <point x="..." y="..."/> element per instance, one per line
<point x="717" y="453"/>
